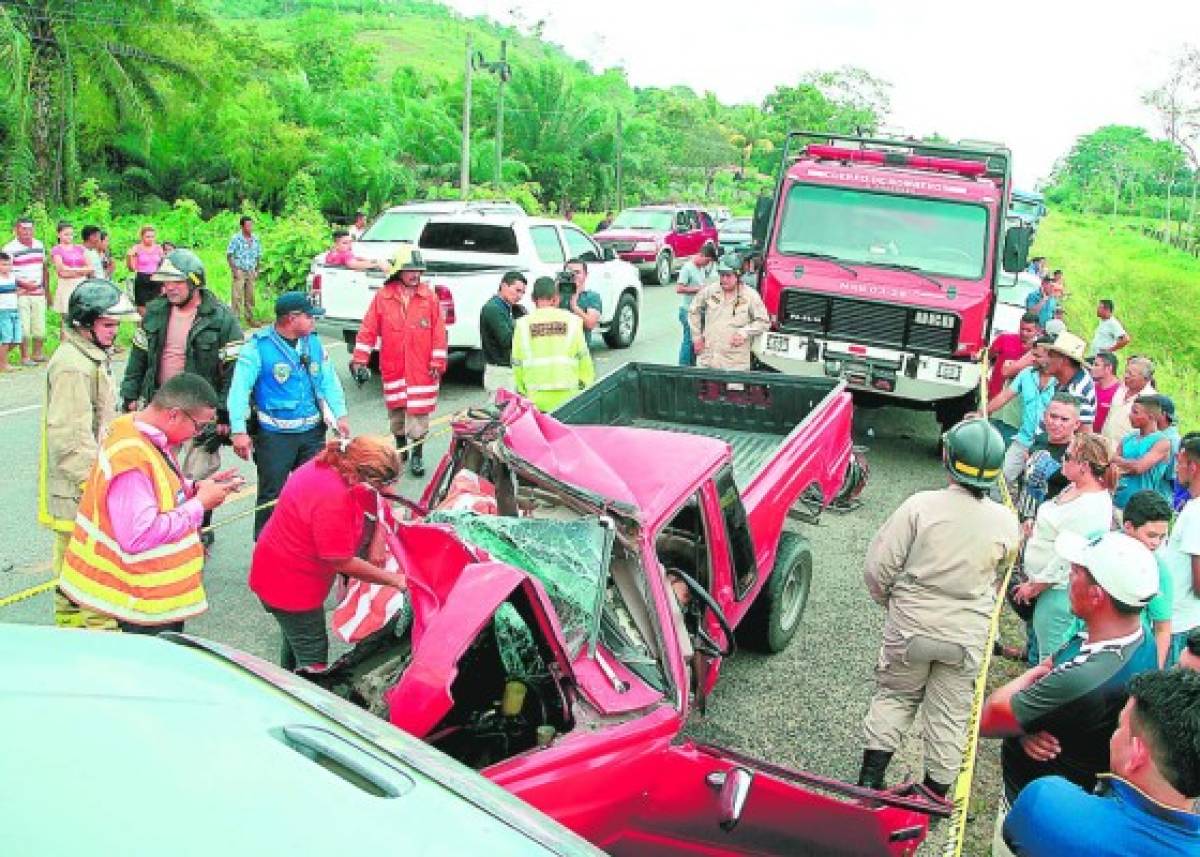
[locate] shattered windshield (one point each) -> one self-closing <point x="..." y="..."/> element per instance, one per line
<point x="569" y="559"/>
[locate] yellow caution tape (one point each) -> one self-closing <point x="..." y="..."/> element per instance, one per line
<point x="27" y="593"/>
<point x="966" y="773"/>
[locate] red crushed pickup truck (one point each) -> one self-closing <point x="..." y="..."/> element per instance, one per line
<point x="560" y="645"/>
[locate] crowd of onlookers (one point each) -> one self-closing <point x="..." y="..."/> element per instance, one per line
<point x="27" y="290"/>
<point x="1108" y="584"/>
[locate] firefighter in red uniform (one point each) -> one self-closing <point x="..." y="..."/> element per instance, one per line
<point x="405" y="323"/>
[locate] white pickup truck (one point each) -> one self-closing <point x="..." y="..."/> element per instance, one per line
<point x="466" y="254"/>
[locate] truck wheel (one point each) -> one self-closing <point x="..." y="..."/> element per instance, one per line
<point x="624" y="324"/>
<point x="662" y="269"/>
<point x="774" y="617"/>
<point x="951" y="412"/>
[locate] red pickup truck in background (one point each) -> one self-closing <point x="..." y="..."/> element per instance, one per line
<point x="658" y="238"/>
<point x="560" y="645"/>
<point x="881" y="263"/>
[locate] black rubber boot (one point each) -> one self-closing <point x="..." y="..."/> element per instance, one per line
<point x="937" y="788"/>
<point x="874" y="766"/>
<point x="401" y="442"/>
<point x="416" y="464"/>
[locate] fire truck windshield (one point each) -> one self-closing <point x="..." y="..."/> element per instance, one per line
<point x="861" y="227"/>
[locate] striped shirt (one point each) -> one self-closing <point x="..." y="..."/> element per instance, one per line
<point x="29" y="266"/>
<point x="1083" y="388"/>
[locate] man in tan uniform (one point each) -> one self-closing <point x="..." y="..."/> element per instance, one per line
<point x="724" y="319"/>
<point x="933" y="565"/>
<point x="80" y="404"/>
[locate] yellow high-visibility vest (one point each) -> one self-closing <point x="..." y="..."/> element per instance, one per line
<point x="153" y="587"/>
<point x="550" y="357"/>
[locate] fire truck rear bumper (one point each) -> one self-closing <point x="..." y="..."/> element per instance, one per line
<point x="899" y="374"/>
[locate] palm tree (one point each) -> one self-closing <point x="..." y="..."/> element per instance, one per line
<point x="49" y="49"/>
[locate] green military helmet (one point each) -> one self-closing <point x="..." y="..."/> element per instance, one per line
<point x="94" y="298"/>
<point x="973" y="452"/>
<point x="181" y="266"/>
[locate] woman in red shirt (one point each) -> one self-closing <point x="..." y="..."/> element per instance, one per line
<point x="316" y="532"/>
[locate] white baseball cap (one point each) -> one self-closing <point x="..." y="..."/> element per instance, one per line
<point x="1123" y="566"/>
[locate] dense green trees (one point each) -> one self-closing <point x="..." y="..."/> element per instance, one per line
<point x="1119" y="169"/>
<point x="226" y="102"/>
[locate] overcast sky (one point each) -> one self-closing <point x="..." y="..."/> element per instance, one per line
<point x="1034" y="75"/>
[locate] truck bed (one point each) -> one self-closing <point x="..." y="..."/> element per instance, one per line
<point x="754" y="412"/>
<point x="751" y="449"/>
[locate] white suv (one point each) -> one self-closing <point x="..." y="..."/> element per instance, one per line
<point x="467" y="253"/>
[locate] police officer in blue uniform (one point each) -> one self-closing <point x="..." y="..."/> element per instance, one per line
<point x="296" y="397"/>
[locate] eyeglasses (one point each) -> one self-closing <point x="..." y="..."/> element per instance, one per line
<point x="200" y="427"/>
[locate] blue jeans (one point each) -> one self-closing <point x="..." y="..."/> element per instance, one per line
<point x="687" y="354"/>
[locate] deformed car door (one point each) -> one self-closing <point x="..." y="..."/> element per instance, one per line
<point x="706" y="800"/>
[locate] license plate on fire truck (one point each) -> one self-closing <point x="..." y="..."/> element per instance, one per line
<point x="778" y="343"/>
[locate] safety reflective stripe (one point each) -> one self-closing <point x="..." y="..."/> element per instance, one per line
<point x="438" y="353"/>
<point x="163" y="584"/>
<point x="969" y="470"/>
<point x="147" y="556"/>
<point x="94" y="595"/>
<point x="174" y="579"/>
<point x="560" y="360"/>
<point x="162" y="481"/>
<point x="394" y="385"/>
<point x="548" y="388"/>
<point x="286" y="425"/>
<point x="428" y="388"/>
<point x="422" y="403"/>
<point x="365" y="349"/>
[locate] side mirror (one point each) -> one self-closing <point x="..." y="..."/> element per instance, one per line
<point x="1016" y="248"/>
<point x="734" y="789"/>
<point x="609" y="254"/>
<point x="762" y="220"/>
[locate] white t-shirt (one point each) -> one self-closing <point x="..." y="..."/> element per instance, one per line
<point x="1108" y="332"/>
<point x="1183" y="543"/>
<point x="1086" y="514"/>
<point x="96" y="259"/>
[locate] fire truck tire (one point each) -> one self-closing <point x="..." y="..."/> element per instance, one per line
<point x="774" y="617"/>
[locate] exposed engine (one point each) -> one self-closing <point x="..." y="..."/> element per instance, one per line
<point x="506" y="698"/>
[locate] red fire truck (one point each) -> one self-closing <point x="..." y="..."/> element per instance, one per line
<point x="881" y="259"/>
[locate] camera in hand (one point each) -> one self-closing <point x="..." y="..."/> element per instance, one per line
<point x="565" y="282"/>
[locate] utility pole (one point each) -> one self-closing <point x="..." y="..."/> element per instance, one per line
<point x="502" y="73"/>
<point x="620" y="172"/>
<point x="464" y="176"/>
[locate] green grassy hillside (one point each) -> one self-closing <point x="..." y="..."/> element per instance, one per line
<point x="1154" y="286"/>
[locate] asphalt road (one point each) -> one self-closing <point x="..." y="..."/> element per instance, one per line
<point x="801" y="708"/>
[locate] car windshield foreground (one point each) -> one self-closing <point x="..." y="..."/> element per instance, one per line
<point x="138" y="738"/>
<point x="861" y="227"/>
